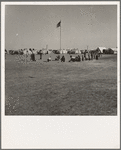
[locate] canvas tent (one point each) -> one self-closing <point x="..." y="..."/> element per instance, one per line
<point x="63" y="51"/>
<point x="115" y="50"/>
<point x="101" y="49"/>
<point x="77" y="51"/>
<point x="27" y="51"/>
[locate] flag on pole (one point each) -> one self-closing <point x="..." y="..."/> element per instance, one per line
<point x="59" y="24"/>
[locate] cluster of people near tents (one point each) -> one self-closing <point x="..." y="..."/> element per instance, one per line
<point x="90" y="55"/>
<point x="86" y="55"/>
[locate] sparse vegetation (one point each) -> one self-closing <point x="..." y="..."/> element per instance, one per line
<point x="76" y="88"/>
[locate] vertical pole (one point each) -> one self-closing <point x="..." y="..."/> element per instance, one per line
<point x="60" y="34"/>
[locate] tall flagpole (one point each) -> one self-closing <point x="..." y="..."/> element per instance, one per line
<point x="60" y="34"/>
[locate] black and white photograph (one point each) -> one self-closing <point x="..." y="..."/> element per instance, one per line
<point x="61" y="60"/>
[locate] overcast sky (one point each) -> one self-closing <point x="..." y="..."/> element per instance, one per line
<point x="35" y="26"/>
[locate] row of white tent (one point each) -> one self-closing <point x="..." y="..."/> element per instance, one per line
<point x="62" y="51"/>
<point x="44" y="51"/>
<point x="77" y="51"/>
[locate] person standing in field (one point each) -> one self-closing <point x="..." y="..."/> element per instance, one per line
<point x="96" y="56"/>
<point x="32" y="56"/>
<point x="85" y="55"/>
<point x="40" y="54"/>
<point x="63" y="59"/>
<point x="93" y="55"/>
<point x="89" y="57"/>
<point x="82" y="57"/>
<point x="79" y="59"/>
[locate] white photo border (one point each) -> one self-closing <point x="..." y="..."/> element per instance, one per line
<point x="38" y="132"/>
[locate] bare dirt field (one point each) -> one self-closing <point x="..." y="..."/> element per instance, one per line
<point x="56" y="88"/>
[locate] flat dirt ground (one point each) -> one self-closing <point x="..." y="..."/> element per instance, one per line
<point x="56" y="88"/>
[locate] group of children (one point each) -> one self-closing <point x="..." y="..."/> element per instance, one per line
<point x="57" y="58"/>
<point x="73" y="58"/>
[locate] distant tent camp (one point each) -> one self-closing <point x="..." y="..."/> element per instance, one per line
<point x="74" y="51"/>
<point x="115" y="50"/>
<point x="108" y="51"/>
<point x="77" y="51"/>
<point x="101" y="49"/>
<point x="63" y="51"/>
<point x="27" y="51"/>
